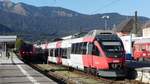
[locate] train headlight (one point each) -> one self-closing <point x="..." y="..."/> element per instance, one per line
<point x="144" y="54"/>
<point x="116" y="66"/>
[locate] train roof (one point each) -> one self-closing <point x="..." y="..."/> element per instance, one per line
<point x="94" y="33"/>
<point x="103" y="35"/>
<point x="142" y="40"/>
<point x="108" y="37"/>
<point x="76" y="35"/>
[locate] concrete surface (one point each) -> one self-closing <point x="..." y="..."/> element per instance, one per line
<point x="14" y="71"/>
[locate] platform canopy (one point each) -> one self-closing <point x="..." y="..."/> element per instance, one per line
<point x="8" y="38"/>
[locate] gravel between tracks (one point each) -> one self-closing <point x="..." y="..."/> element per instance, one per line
<point x="76" y="77"/>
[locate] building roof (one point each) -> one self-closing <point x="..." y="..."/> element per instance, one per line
<point x="8" y="38"/>
<point x="125" y="26"/>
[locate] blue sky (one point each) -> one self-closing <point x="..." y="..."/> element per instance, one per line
<point x="125" y="7"/>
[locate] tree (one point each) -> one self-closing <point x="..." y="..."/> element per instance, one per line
<point x="18" y="44"/>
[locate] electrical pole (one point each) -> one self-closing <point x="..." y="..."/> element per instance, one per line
<point x="105" y="21"/>
<point x="136" y="22"/>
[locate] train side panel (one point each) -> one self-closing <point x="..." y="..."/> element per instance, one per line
<point x="66" y="45"/>
<point x="52" y="58"/>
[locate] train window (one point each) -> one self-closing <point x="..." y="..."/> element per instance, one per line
<point x="60" y="52"/>
<point x="51" y="52"/>
<point x="68" y="51"/>
<point x="90" y="46"/>
<point x="79" y="48"/>
<point x="73" y="48"/>
<point x="64" y="53"/>
<point x="83" y="48"/>
<point x="92" y="49"/>
<point x="95" y="51"/>
<point x="56" y="52"/>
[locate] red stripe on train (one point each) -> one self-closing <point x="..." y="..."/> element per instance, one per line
<point x="88" y="39"/>
<point x="59" y="57"/>
<point x="58" y="44"/>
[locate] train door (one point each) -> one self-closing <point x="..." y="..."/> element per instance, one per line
<point x="89" y="59"/>
<point x="58" y="56"/>
<point x="97" y="58"/>
<point x="58" y="53"/>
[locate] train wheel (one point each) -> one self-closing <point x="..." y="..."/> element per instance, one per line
<point x="71" y="69"/>
<point x="87" y="70"/>
<point x="94" y="71"/>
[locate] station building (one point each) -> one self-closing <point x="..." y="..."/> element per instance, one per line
<point x="6" y="43"/>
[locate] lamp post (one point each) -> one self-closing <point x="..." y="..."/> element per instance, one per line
<point x="105" y="17"/>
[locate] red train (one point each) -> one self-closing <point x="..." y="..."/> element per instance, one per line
<point x="141" y="49"/>
<point x="26" y="51"/>
<point x="98" y="52"/>
<point x="31" y="53"/>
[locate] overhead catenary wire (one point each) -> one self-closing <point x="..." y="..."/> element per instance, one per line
<point x="105" y="6"/>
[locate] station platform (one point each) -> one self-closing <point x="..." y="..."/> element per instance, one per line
<point x="14" y="71"/>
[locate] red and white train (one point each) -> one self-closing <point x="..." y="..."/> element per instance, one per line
<point x="99" y="52"/>
<point x="141" y="49"/>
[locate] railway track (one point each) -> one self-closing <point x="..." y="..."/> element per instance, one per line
<point x="63" y="75"/>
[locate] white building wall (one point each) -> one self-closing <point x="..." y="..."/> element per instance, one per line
<point x="127" y="42"/>
<point x="146" y="32"/>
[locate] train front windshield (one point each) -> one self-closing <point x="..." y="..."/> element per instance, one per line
<point x="27" y="48"/>
<point x="113" y="49"/>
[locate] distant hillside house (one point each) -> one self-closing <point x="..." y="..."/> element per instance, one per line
<point x="125" y="27"/>
<point x="146" y="29"/>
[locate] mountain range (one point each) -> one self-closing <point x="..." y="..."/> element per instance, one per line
<point x="40" y="23"/>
